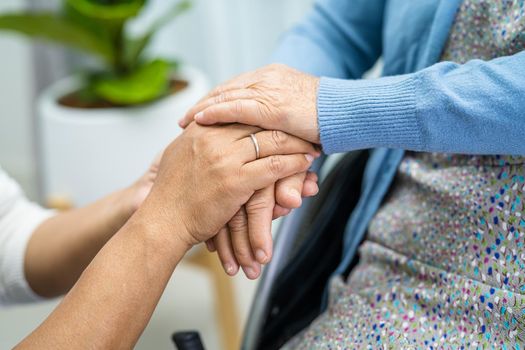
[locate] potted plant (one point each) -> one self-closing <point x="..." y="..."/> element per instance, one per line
<point x="101" y="129"/>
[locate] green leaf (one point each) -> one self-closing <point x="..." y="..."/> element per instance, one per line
<point x="178" y="9"/>
<point x="56" y="28"/>
<point x="110" y="31"/>
<point x="147" y="83"/>
<point x="97" y="27"/>
<point x="135" y="47"/>
<point x="118" y="11"/>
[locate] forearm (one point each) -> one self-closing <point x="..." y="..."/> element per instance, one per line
<point x="474" y="108"/>
<point x="111" y="303"/>
<point x="114" y="298"/>
<point x="62" y="246"/>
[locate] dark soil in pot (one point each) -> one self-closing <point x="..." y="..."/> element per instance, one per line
<point x="75" y="100"/>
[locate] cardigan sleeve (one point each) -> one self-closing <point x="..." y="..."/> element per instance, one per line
<point x="337" y="39"/>
<point x="472" y="108"/>
<point x="18" y="219"/>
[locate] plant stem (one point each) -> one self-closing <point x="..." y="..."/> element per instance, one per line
<point x="120" y="63"/>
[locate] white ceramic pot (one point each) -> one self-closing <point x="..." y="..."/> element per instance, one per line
<point x="88" y="153"/>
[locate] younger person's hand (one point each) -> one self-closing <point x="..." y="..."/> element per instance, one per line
<point x="208" y="173"/>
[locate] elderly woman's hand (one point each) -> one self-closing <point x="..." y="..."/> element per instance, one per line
<point x="246" y="240"/>
<point x="208" y="173"/>
<point x="275" y="97"/>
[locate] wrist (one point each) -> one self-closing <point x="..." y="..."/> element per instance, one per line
<point x="167" y="231"/>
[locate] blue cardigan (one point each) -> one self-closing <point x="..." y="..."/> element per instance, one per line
<point x="418" y="104"/>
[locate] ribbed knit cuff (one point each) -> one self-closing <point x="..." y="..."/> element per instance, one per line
<point x="370" y="113"/>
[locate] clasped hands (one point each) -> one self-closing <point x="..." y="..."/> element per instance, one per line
<point x="210" y="186"/>
<point x="282" y="100"/>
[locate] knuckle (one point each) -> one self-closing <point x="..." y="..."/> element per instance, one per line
<point x="220" y="98"/>
<point x="243" y="255"/>
<point x="210" y="153"/>
<point x="215" y="155"/>
<point x="238" y="223"/>
<point x="238" y="107"/>
<point x="256" y="205"/>
<point x="275" y="165"/>
<point x="219" y="90"/>
<point x="279" y="138"/>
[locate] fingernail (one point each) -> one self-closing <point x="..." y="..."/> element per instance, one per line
<point x="309" y="157"/>
<point x="249" y="272"/>
<point x="181" y="122"/>
<point x="230" y="270"/>
<point x="261" y="256"/>
<point x="199" y="116"/>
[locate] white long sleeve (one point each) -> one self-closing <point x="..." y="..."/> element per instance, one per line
<point x="18" y="219"/>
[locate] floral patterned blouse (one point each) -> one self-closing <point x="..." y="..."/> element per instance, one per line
<point x="443" y="265"/>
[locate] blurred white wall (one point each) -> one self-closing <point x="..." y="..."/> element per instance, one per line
<point x="226" y="37"/>
<point x="221" y="37"/>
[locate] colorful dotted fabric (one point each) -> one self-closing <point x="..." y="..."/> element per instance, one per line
<point x="443" y="266"/>
<point x="486" y="29"/>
